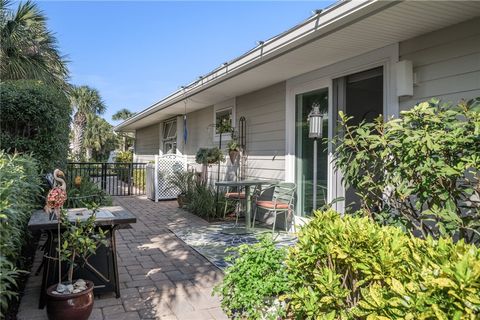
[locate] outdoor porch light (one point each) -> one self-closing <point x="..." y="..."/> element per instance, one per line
<point x="315" y="120"/>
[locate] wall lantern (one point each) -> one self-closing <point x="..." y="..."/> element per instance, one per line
<point x="315" y="119"/>
<point x="315" y="131"/>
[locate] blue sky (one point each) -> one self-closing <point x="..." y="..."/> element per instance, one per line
<point x="136" y="53"/>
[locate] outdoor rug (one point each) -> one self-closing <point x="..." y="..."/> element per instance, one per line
<point x="211" y="242"/>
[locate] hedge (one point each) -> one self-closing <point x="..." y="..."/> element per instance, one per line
<point x="352" y="268"/>
<point x="35" y="118"/>
<point x="19" y="187"/>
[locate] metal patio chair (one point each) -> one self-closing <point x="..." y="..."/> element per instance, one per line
<point x="236" y="196"/>
<point x="282" y="202"/>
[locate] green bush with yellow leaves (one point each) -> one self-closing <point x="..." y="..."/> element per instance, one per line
<point x="352" y="268"/>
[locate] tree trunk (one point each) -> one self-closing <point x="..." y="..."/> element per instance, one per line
<point x="88" y="153"/>
<point x="70" y="269"/>
<point x="79" y="122"/>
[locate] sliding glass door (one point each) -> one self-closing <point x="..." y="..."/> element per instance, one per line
<point x="304" y="152"/>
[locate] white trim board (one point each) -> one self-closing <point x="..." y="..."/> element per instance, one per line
<point x="323" y="78"/>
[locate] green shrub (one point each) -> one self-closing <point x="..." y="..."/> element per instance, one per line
<point x="122" y="171"/>
<point x="201" y="200"/>
<point x="35" y="118"/>
<point x="19" y="187"/>
<point x="420" y="171"/>
<point x="124" y="157"/>
<point x="85" y="194"/>
<point x="139" y="178"/>
<point x="353" y="268"/>
<point x="252" y="285"/>
<point x="184" y="181"/>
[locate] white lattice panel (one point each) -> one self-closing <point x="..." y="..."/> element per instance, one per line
<point x="167" y="165"/>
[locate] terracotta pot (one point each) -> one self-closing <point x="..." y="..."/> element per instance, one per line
<point x="182" y="200"/>
<point x="233" y="154"/>
<point x="75" y="306"/>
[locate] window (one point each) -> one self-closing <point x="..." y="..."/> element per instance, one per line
<point x="224" y="118"/>
<point x="170" y="136"/>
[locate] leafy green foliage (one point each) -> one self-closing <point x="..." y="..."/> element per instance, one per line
<point x="420" y="171"/>
<point x="208" y="156"/>
<point x="28" y="50"/>
<point x="85" y="101"/>
<point x="201" y="200"/>
<point x="80" y="239"/>
<point x="232" y="145"/>
<point x="87" y="192"/>
<point x="124" y="157"/>
<point x="35" y="118"/>
<point x="99" y="138"/>
<point x="253" y="283"/>
<point x="122" y="171"/>
<point x="351" y="268"/>
<point x="183" y="180"/>
<point x="122" y="114"/>
<point x="19" y="187"/>
<point x="139" y="178"/>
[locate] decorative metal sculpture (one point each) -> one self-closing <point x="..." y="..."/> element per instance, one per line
<point x="57" y="196"/>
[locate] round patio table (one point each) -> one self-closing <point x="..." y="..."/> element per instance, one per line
<point x="248" y="210"/>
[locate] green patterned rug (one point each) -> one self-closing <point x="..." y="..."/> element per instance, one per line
<point x="211" y="241"/>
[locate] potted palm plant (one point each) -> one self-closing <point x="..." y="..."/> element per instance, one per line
<point x="73" y="300"/>
<point x="183" y="181"/>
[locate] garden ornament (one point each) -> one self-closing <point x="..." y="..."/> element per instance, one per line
<point x="57" y="196"/>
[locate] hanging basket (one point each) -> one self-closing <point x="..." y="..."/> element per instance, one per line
<point x="233" y="154"/>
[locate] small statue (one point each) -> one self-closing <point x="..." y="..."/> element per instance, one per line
<point x="57" y="196"/>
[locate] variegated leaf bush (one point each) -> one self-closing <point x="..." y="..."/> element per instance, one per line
<point x="420" y="171"/>
<point x="353" y="268"/>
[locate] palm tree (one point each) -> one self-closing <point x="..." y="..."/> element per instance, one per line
<point x="122" y="114"/>
<point x="28" y="50"/>
<point x="84" y="101"/>
<point x="99" y="138"/>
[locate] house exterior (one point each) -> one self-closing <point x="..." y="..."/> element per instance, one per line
<point x="362" y="57"/>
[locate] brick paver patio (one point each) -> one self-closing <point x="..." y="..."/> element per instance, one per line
<point x="160" y="276"/>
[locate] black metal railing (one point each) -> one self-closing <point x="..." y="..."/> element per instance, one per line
<point x="116" y="179"/>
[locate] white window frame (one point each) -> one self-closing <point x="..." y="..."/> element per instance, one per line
<point x="221" y="107"/>
<point x="169" y="139"/>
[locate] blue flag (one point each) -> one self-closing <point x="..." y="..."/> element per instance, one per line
<point x="185" y="131"/>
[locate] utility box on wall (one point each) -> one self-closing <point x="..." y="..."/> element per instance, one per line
<point x="404" y="71"/>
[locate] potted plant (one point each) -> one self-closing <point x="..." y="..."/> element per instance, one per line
<point x="183" y="181"/>
<point x="233" y="150"/>
<point x="73" y="300"/>
<point x="207" y="157"/>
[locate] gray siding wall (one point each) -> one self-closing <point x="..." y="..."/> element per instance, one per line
<point x="446" y="63"/>
<point x="200" y="131"/>
<point x="147" y="143"/>
<point x="264" y="111"/>
<point x="200" y="135"/>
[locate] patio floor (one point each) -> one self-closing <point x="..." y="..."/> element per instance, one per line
<point x="160" y="276"/>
